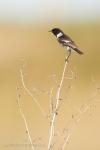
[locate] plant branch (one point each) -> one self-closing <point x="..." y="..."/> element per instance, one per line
<point x="51" y="132"/>
<point x="31" y="95"/>
<point x="51" y="102"/>
<point x="24" y="119"/>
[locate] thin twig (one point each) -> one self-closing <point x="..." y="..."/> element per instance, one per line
<point x="30" y="94"/>
<point x="72" y="77"/>
<point x="51" y="131"/>
<point x="66" y="141"/>
<point x="81" y="111"/>
<point x="51" y="102"/>
<point x="51" y="109"/>
<point x="24" y="119"/>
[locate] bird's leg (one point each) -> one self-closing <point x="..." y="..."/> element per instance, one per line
<point x="69" y="53"/>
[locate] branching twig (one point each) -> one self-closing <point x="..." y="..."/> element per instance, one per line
<point x="30" y="94"/>
<point x="57" y="102"/>
<point x="66" y="141"/>
<point x="81" y="111"/>
<point x="24" y="119"/>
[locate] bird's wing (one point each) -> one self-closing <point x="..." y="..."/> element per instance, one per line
<point x="69" y="43"/>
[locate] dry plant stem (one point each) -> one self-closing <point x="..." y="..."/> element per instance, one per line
<point x="81" y="113"/>
<point x="30" y="94"/>
<point x="51" y="132"/>
<point x="24" y="119"/>
<point x="66" y="141"/>
<point x="51" y="102"/>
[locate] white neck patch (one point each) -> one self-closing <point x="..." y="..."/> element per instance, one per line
<point x="59" y="34"/>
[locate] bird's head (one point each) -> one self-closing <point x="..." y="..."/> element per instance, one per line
<point x="56" y="31"/>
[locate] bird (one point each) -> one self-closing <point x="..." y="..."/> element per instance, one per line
<point x="65" y="40"/>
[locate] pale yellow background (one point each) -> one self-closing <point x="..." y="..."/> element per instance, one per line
<point x="42" y="58"/>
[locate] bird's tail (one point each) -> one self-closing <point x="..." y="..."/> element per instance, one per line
<point x="78" y="51"/>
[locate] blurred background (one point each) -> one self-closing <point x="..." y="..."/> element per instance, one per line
<point x="26" y="43"/>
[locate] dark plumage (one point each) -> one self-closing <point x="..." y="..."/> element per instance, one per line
<point x="65" y="40"/>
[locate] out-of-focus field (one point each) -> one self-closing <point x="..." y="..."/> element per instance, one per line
<point x="35" y="50"/>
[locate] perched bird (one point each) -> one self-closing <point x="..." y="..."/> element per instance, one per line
<point x="65" y="40"/>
